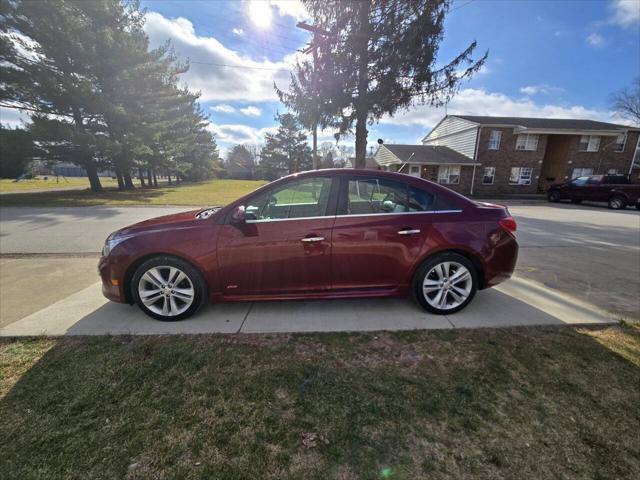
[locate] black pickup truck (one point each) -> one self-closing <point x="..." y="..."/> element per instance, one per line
<point x="616" y="190"/>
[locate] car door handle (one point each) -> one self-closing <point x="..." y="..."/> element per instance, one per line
<point x="408" y="231"/>
<point x="311" y="239"/>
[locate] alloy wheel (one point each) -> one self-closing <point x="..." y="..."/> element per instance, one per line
<point x="447" y="285"/>
<point x="166" y="290"/>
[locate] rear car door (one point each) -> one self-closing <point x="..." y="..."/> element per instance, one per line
<point x="284" y="245"/>
<point x="378" y="233"/>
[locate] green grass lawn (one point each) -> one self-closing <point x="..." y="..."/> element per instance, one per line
<point x="510" y="403"/>
<point x="212" y="192"/>
<point x="39" y="183"/>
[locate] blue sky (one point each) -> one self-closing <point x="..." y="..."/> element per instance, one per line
<point x="559" y="59"/>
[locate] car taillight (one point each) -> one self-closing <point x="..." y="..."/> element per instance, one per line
<point x="509" y="225"/>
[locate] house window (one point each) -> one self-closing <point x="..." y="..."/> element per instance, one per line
<point x="589" y="143"/>
<point x="613" y="171"/>
<point x="520" y="176"/>
<point x="489" y="174"/>
<point x="527" y="141"/>
<point x="494" y="140"/>
<point x="620" y="141"/>
<point x="414" y="170"/>
<point x="449" y="174"/>
<point x="581" y="172"/>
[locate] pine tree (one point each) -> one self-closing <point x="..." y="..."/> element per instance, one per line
<point x="285" y="151"/>
<point x="375" y="58"/>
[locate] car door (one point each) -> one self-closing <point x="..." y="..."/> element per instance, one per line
<point x="284" y="244"/>
<point x="378" y="233"/>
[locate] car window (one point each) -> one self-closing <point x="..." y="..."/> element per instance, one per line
<point x="579" y="181"/>
<point x="594" y="180"/>
<point x="368" y="196"/>
<point x="616" y="180"/>
<point x="420" y="200"/>
<point x="298" y="199"/>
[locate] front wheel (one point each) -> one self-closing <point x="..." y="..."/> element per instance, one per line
<point x="168" y="288"/>
<point x="445" y="283"/>
<point x="617" y="202"/>
<point x="553" y="196"/>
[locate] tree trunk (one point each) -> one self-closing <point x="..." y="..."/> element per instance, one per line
<point x="169" y="179"/>
<point x="92" y="175"/>
<point x="89" y="164"/>
<point x="128" y="181"/>
<point x="149" y="178"/>
<point x="155" y="179"/>
<point x="141" y="176"/>
<point x="361" y="139"/>
<point x="120" y="179"/>
<point x="362" y="108"/>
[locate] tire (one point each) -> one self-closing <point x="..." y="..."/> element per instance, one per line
<point x="576" y="201"/>
<point x="553" y="196"/>
<point x="180" y="300"/>
<point x="617" y="202"/>
<point x="427" y="277"/>
<point x="638" y="206"/>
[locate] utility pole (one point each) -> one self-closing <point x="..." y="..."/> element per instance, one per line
<point x="313" y="48"/>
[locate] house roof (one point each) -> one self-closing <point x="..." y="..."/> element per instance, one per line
<point x="545" y="123"/>
<point x="370" y="163"/>
<point x="428" y="155"/>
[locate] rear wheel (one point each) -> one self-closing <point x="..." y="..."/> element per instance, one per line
<point x="617" y="202"/>
<point x="445" y="283"/>
<point x="553" y="196"/>
<point x="168" y="288"/>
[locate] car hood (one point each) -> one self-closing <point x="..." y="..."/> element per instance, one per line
<point x="191" y="218"/>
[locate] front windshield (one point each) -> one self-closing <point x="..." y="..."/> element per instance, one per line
<point x="579" y="181"/>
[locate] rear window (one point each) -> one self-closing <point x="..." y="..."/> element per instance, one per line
<point x="616" y="179"/>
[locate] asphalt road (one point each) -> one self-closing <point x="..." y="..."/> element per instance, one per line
<point x="585" y="251"/>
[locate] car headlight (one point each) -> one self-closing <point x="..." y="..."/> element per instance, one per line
<point x="111" y="243"/>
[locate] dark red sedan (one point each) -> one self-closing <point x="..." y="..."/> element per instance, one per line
<point x="321" y="234"/>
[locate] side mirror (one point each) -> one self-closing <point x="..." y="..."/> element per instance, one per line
<point x="238" y="215"/>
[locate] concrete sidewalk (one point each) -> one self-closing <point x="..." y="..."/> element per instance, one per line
<point x="518" y="302"/>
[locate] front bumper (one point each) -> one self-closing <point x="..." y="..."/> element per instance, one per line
<point x="112" y="280"/>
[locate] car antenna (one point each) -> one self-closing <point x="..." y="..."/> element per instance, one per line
<point x="405" y="163"/>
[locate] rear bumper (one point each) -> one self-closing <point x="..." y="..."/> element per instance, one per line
<point x="501" y="263"/>
<point x="112" y="281"/>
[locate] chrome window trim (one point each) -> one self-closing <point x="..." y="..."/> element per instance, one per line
<point x="429" y="212"/>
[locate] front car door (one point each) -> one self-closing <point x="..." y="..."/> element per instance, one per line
<point x="378" y="233"/>
<point x="284" y="245"/>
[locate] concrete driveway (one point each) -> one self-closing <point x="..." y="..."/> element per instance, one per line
<point x="578" y="264"/>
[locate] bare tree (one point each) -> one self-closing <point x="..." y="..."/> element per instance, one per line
<point x="627" y="102"/>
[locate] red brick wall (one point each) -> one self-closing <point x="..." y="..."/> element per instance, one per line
<point x="503" y="159"/>
<point x="507" y="156"/>
<point x="604" y="159"/>
<point x="430" y="172"/>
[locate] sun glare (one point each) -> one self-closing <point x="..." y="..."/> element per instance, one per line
<point x="260" y="13"/>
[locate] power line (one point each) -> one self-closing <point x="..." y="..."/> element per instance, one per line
<point x="461" y="6"/>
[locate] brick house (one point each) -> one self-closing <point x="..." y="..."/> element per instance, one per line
<point x="484" y="156"/>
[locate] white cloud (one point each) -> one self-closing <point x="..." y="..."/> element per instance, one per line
<point x="236" y="133"/>
<point x="251" y="111"/>
<point x="626" y="13"/>
<point x="291" y="8"/>
<point x="472" y="101"/>
<point x="542" y="88"/>
<point x="243" y="79"/>
<point x="238" y="31"/>
<point x="223" y="108"/>
<point x="595" y="39"/>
